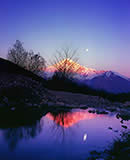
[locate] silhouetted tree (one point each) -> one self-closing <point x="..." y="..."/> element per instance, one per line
<point x="17" y="54"/>
<point x="65" y="63"/>
<point x="28" y="60"/>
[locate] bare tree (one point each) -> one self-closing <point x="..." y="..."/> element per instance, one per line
<point x="17" y="54"/>
<point x="28" y="60"/>
<point x="34" y="62"/>
<point x="65" y="63"/>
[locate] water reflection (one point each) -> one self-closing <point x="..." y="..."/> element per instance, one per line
<point x="14" y="135"/>
<point x="65" y="133"/>
<point x="19" y="125"/>
<point x="69" y="118"/>
<point x="56" y="125"/>
<point x="27" y="127"/>
<point x="85" y="137"/>
<point x="64" y="120"/>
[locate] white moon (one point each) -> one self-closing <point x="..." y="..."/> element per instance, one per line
<point x="87" y="50"/>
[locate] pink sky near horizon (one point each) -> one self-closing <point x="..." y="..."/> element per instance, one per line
<point x="45" y="26"/>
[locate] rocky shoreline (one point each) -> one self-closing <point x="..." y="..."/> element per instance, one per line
<point x="27" y="92"/>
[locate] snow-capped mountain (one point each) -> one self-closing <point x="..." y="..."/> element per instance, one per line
<point x="81" y="72"/>
<point x="101" y="80"/>
<point x="110" y="82"/>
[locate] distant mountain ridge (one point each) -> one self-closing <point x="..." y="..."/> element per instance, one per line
<point x="109" y="81"/>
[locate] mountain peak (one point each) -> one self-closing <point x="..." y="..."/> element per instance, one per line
<point x="110" y="74"/>
<point x="75" y="67"/>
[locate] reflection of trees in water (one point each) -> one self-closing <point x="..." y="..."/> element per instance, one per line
<point x="21" y="124"/>
<point x="58" y="128"/>
<point x="14" y="135"/>
<point x="63" y="119"/>
<point x="66" y="119"/>
<point x="59" y="117"/>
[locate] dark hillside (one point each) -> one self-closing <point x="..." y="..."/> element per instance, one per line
<point x="19" y="87"/>
<point x="11" y="68"/>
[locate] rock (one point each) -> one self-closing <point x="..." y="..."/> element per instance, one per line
<point x="121" y="121"/>
<point x="123" y="126"/>
<point x="91" y="111"/>
<point x="118" y="116"/>
<point x="83" y="106"/>
<point x="101" y="112"/>
<point x="13" y="108"/>
<point x="29" y="104"/>
<point x="51" y="104"/>
<point x="5" y="100"/>
<point x="60" y="104"/>
<point x="73" y="105"/>
<point x="67" y="105"/>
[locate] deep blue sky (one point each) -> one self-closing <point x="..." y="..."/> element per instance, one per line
<point x="102" y="26"/>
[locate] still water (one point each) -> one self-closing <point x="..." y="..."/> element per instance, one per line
<point x="62" y="135"/>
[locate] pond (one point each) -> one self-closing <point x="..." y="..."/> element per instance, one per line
<point x="60" y="135"/>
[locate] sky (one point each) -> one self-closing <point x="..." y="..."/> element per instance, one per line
<point x="102" y="26"/>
